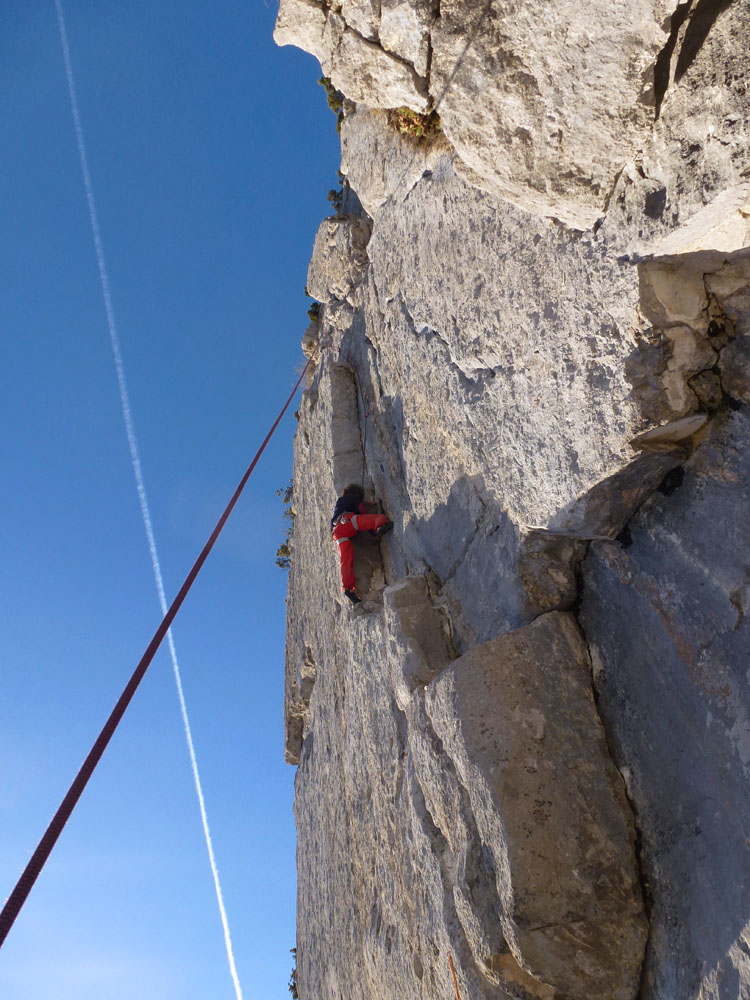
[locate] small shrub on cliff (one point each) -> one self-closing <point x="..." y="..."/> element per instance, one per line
<point x="314" y="316"/>
<point x="283" y="556"/>
<point x="413" y="124"/>
<point x="335" y="100"/>
<point x="293" y="977"/>
<point x="336" y="199"/>
<point x="284" y="553"/>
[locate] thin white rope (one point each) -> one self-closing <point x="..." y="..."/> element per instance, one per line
<point x="138" y="474"/>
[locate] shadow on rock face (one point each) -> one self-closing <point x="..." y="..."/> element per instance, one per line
<point x="495" y="575"/>
<point x="368" y="565"/>
<point x="666" y="621"/>
<point x="517" y="718"/>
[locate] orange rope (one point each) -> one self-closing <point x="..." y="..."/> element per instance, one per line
<point x="453" y="973"/>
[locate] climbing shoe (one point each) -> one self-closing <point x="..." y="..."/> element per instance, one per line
<point x="352" y="595"/>
<point x="383" y="529"/>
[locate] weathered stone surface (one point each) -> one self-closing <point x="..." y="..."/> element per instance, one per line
<point x="607" y="507"/>
<point x="461" y="320"/>
<point x="517" y="393"/>
<point x="668" y="436"/>
<point x="332" y="718"/>
<point x="344" y="43"/>
<point x="699" y="305"/>
<point x="511" y="347"/>
<point x="553" y="107"/>
<point x="379" y="163"/>
<point x="545" y="103"/>
<point x="311" y="340"/>
<point x="338" y="258"/>
<point x="410" y="614"/>
<point x="666" y="622"/>
<point x="405" y="31"/>
<point x="302" y="23"/>
<point x="735" y="368"/>
<point x="517" y="717"/>
<point x="686" y="184"/>
<point x="369" y="75"/>
<point x="723" y="225"/>
<point x="363" y="16"/>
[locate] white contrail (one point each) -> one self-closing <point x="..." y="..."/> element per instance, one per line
<point x="136" y="461"/>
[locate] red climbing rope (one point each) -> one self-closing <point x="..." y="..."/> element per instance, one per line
<point x="453" y="973"/>
<point x="30" y="874"/>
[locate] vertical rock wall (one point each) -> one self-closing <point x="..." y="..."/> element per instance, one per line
<point x="529" y="747"/>
<point x="664" y="614"/>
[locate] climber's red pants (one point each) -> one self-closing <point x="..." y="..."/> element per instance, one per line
<point x="346" y="528"/>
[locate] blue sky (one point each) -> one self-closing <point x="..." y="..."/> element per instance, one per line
<point x="211" y="152"/>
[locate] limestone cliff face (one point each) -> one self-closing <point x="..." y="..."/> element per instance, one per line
<point x="529" y="749"/>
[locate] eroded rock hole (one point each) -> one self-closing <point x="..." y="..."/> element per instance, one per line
<point x="670" y="483"/>
<point x="625" y="538"/>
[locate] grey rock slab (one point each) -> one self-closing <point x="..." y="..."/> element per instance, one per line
<point x="665" y="618"/>
<point x="346" y="441"/>
<point x="605" y="509"/>
<point x="363" y="16"/>
<point x="721" y="225"/>
<point x="420" y="637"/>
<point x="693" y="288"/>
<point x="466" y="862"/>
<point x="506" y="362"/>
<point x="378" y="162"/>
<point x="568" y="111"/>
<point x="345" y="45"/>
<point x="375" y="885"/>
<point x="503" y="369"/>
<point x="339" y="256"/>
<point x="367" y="74"/>
<point x="545" y="103"/>
<point x="670" y="435"/>
<point x="405" y="31"/>
<point x="700" y="302"/>
<point x="517" y="718"/>
<point x="735" y="369"/>
<point x="683" y="190"/>
<point x="302" y="23"/>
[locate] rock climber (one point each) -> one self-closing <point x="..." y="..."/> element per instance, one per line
<point x="350" y="516"/>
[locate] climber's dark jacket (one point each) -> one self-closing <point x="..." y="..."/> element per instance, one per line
<point x="347" y="504"/>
